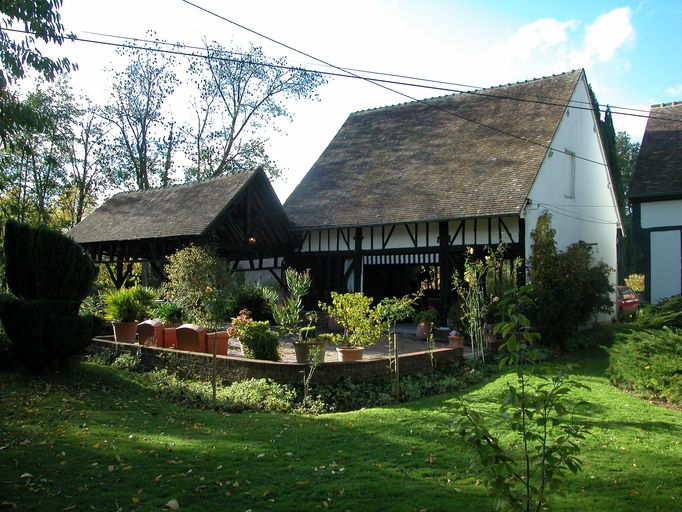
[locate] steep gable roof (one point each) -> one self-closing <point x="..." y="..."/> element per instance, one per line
<point x="442" y="158"/>
<point x="658" y="171"/>
<point x="178" y="211"/>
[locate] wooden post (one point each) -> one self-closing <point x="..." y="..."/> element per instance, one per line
<point x="357" y="261"/>
<point x="444" y="266"/>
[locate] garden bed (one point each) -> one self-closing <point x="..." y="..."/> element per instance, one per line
<point x="232" y="368"/>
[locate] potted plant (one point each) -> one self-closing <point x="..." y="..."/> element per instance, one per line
<point x="425" y="320"/>
<point x="362" y="324"/>
<point x="169" y="313"/>
<point x="125" y="307"/>
<point x="455" y="339"/>
<point x="238" y="325"/>
<point x="288" y="316"/>
<point x="259" y="341"/>
<point x="308" y="342"/>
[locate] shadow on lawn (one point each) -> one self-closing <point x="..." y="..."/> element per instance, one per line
<point x="92" y="437"/>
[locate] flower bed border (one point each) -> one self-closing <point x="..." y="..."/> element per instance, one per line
<point x="232" y="369"/>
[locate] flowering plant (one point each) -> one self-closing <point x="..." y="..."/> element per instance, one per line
<point x="239" y="324"/>
<point x="454" y="332"/>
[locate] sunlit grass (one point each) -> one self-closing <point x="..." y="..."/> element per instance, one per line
<point x="94" y="439"/>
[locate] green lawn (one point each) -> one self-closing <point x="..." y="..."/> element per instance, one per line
<point x="93" y="439"/>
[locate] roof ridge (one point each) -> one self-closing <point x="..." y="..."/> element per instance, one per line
<point x="187" y="184"/>
<point x="472" y="91"/>
<point x="668" y="104"/>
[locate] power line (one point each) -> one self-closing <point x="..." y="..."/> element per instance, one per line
<point x="486" y="92"/>
<point x="448" y="111"/>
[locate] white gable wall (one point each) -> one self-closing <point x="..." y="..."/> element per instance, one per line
<point x="576" y="190"/>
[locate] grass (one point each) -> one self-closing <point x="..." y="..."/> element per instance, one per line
<point x="94" y="439"/>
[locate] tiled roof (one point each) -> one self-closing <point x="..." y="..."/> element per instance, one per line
<point x="178" y="211"/>
<point x="442" y="158"/>
<point x="658" y="172"/>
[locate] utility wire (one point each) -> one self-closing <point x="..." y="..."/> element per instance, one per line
<point x="383" y="86"/>
<point x="480" y="92"/>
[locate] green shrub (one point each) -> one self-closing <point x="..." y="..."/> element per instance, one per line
<point x="254" y="298"/>
<point x="260" y="342"/>
<point x="41" y="263"/>
<point x="307" y="333"/>
<point x="127" y="362"/>
<point x="197" y="279"/>
<point x="568" y="288"/>
<point x="648" y="362"/>
<point x="50" y="275"/>
<point x="42" y="339"/>
<point x="666" y="313"/>
<point x="260" y="395"/>
<point x="252" y="394"/>
<point x="128" y="304"/>
<point x="169" y="313"/>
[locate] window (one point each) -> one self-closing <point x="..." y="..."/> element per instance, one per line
<point x="570" y="174"/>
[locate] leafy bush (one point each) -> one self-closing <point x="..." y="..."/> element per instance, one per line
<point x="667" y="313"/>
<point x="568" y="288"/>
<point x="127" y="362"/>
<point x="536" y="409"/>
<point x="648" y="362"/>
<point x="128" y="304"/>
<point x="259" y="341"/>
<point x="169" y="313"/>
<point x="254" y="298"/>
<point x="197" y="276"/>
<point x="362" y="324"/>
<point x="260" y="395"/>
<point x="251" y="394"/>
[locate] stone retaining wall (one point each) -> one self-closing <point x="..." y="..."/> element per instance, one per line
<point x="231" y="369"/>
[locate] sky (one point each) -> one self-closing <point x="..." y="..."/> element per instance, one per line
<point x="631" y="51"/>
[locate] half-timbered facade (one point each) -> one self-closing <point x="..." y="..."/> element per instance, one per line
<point x="397" y="198"/>
<point x="656" y="198"/>
<point x="401" y="192"/>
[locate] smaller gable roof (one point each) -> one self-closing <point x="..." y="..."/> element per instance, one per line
<point x="177" y="211"/>
<point x="658" y="171"/>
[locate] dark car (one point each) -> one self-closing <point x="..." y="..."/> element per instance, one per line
<point x="627" y="302"/>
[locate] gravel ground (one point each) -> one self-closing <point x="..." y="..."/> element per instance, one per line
<point x="407" y="343"/>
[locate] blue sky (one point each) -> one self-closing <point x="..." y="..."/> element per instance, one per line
<point x="632" y="51"/>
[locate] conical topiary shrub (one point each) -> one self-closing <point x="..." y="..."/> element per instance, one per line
<point x="49" y="275"/>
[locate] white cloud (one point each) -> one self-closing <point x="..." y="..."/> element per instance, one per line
<point x="552" y="46"/>
<point x="675" y="90"/>
<point x="605" y="37"/>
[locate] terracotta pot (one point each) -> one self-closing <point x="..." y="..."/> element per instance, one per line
<point x="423" y="329"/>
<point x="222" y="339"/>
<point x="169" y="338"/>
<point x="303" y="349"/>
<point x="456" y="341"/>
<point x="124" y="332"/>
<point x="350" y="354"/>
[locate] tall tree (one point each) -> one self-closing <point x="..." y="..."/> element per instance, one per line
<point x="88" y="162"/>
<point x="241" y="93"/>
<point x="629" y="254"/>
<point x="34" y="166"/>
<point x="144" y="134"/>
<point x="40" y="20"/>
